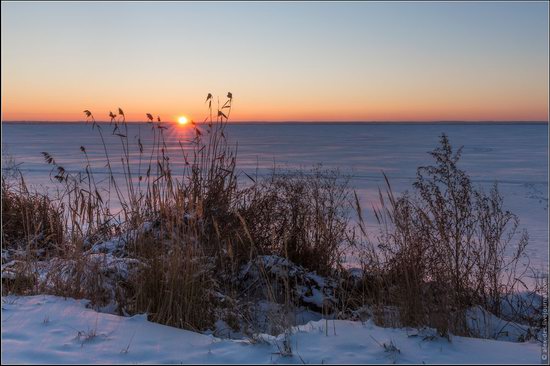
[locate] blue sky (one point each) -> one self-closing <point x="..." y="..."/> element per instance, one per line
<point x="302" y="61"/>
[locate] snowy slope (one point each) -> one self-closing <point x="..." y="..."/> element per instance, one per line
<point x="51" y="329"/>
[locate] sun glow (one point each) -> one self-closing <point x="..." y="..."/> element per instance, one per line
<point x="182" y="120"/>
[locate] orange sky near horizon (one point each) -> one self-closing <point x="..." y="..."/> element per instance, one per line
<point x="254" y="108"/>
<point x="404" y="113"/>
<point x="303" y="62"/>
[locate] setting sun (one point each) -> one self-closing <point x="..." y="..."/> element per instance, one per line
<point x="182" y="120"/>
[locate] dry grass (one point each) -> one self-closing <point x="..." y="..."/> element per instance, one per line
<point x="443" y="248"/>
<point x="440" y="250"/>
<point x="30" y="221"/>
<point x="302" y="216"/>
<point x="174" y="285"/>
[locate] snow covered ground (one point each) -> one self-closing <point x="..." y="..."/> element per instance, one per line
<point x="49" y="329"/>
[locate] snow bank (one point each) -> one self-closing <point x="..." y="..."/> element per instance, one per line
<point x="483" y="324"/>
<point x="49" y="329"/>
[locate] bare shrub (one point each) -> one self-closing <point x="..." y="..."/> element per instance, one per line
<point x="302" y="216"/>
<point x="444" y="248"/>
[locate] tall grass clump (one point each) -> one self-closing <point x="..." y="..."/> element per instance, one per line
<point x="444" y="248"/>
<point x="31" y="221"/>
<point x="302" y="216"/>
<point x="32" y="229"/>
<point x="189" y="233"/>
<point x="188" y="222"/>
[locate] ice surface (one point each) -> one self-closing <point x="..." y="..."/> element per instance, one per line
<point x="515" y="155"/>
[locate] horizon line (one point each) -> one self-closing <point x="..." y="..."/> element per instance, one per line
<point x="316" y="122"/>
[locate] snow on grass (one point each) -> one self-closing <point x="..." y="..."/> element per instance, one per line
<point x="49" y="329"/>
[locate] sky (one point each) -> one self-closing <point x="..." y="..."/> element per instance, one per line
<point x="282" y="61"/>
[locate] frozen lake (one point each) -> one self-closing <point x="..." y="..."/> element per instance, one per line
<point x="515" y="155"/>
